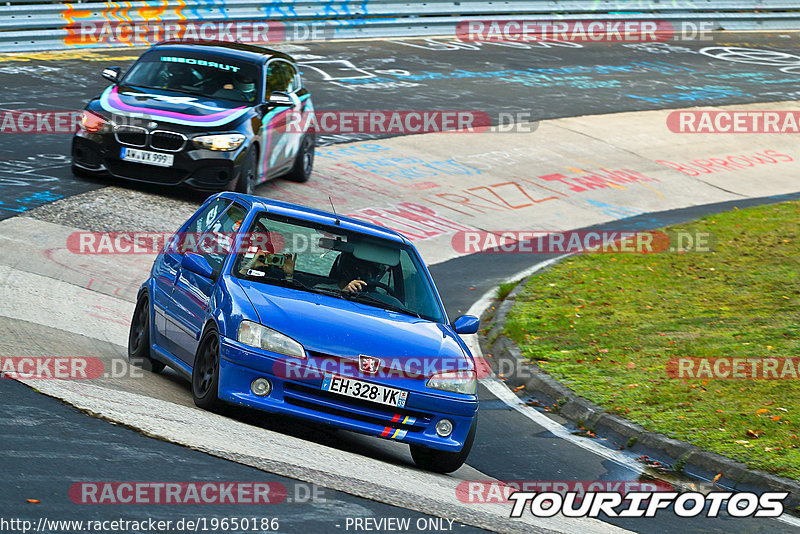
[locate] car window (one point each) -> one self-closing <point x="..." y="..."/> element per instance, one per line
<point x="187" y="240"/>
<point x="198" y="74"/>
<point x="291" y="75"/>
<point x="217" y="241"/>
<point x="203" y="221"/>
<point x="277" y="79"/>
<point x="321" y="258"/>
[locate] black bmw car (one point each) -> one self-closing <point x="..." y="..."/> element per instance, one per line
<point x="210" y="115"/>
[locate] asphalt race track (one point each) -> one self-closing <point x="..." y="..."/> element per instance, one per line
<point x="514" y="442"/>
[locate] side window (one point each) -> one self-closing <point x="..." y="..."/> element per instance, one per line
<point x="291" y="77"/>
<point x="276" y="78"/>
<point x="218" y="239"/>
<point x="199" y="225"/>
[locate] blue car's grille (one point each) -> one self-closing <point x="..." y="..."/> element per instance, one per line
<point x="369" y="412"/>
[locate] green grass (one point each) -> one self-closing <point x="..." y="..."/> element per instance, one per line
<point x="606" y="325"/>
<point x="504" y="289"/>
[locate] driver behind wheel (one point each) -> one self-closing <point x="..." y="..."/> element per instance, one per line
<point x="355" y="274"/>
<point x="243" y="82"/>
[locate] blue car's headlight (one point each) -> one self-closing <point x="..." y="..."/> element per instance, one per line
<point x="219" y="141"/>
<point x="455" y="381"/>
<point x="260" y="336"/>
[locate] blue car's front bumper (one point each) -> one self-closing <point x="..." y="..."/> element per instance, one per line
<point x="414" y="424"/>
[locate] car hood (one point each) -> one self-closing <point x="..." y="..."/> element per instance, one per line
<point x="329" y="326"/>
<point x="168" y="106"/>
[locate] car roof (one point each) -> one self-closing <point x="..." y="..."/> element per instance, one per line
<point x="319" y="216"/>
<point x="243" y="51"/>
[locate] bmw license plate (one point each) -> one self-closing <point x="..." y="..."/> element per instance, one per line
<point x="358" y="389"/>
<point x="146" y="156"/>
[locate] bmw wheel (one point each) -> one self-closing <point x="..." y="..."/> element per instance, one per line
<point x="443" y="461"/>
<point x="205" y="373"/>
<point x="246" y="183"/>
<point x="304" y="161"/>
<point x="139" y="337"/>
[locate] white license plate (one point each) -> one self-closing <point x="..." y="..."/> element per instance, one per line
<point x="358" y="389"/>
<point x="146" y="156"/>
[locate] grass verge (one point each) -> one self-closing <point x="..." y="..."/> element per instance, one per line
<point x="607" y="324"/>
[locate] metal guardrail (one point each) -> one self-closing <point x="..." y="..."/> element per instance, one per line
<point x="33" y="25"/>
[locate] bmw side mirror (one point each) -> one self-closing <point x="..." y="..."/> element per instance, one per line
<point x="278" y="98"/>
<point x="197" y="264"/>
<point x="111" y="74"/>
<point x="466" y="324"/>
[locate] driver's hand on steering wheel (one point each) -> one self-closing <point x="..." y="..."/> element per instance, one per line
<point x="355" y="285"/>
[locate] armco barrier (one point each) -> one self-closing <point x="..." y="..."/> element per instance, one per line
<point x="31" y="25"/>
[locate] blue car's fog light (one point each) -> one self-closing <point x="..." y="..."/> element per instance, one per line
<point x="261" y="387"/>
<point x="444" y="427"/>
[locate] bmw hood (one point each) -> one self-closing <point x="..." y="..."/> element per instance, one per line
<point x="344" y="329"/>
<point x="172" y="107"/>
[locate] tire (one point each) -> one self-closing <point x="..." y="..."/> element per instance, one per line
<point x="205" y="373"/>
<point x="139" y="338"/>
<point x="443" y="461"/>
<point x="304" y="161"/>
<point x="246" y="183"/>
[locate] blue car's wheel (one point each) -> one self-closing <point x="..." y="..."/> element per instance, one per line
<point x="205" y="373"/>
<point x="139" y="337"/>
<point x="443" y="461"/>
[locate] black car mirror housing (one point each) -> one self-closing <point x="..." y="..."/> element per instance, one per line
<point x="112" y="74"/>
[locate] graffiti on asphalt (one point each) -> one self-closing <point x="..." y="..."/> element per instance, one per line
<point x="786" y="62"/>
<point x="693" y="94"/>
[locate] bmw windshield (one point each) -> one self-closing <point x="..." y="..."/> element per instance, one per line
<point x="323" y="259"/>
<point x="196" y="74"/>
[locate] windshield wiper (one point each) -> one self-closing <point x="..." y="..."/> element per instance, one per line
<point x="381" y="304"/>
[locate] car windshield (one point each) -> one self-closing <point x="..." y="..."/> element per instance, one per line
<point x="323" y="259"/>
<point x="196" y="74"/>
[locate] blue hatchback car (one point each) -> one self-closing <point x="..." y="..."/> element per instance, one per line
<point x="298" y="311"/>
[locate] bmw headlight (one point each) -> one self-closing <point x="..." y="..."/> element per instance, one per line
<point x="456" y="381"/>
<point x="92" y="122"/>
<point x="219" y="141"/>
<point x="260" y="336"/>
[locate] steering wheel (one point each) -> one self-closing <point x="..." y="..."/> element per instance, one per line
<point x="164" y="78"/>
<point x="380" y="285"/>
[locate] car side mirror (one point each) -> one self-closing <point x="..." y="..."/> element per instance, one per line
<point x="197" y="264"/>
<point x="278" y="98"/>
<point x="111" y="74"/>
<point x="466" y="324"/>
